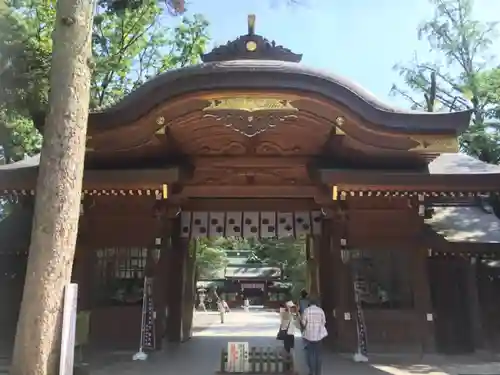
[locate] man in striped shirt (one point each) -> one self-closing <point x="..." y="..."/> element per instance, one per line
<point x="313" y="321"/>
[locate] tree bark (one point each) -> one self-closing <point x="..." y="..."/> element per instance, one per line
<point x="59" y="186"/>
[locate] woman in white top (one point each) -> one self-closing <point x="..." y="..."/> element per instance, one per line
<point x="289" y="322"/>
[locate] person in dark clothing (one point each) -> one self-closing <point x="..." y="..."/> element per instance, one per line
<point x="303" y="301"/>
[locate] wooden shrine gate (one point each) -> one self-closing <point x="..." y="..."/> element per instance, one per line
<point x="252" y="143"/>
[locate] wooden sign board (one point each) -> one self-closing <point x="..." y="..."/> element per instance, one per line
<point x="237" y="357"/>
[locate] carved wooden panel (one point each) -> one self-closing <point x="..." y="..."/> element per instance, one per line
<point x="293" y="175"/>
<point x="212" y="135"/>
<point x="183" y="126"/>
<point x="251" y="125"/>
<point x="205" y="136"/>
<point x="250" y="224"/>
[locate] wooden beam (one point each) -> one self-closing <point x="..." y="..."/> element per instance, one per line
<point x="249" y="204"/>
<point x="25" y="178"/>
<point x="249" y="191"/>
<point x="411" y="181"/>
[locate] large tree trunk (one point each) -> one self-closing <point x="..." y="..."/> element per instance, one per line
<point x="55" y="225"/>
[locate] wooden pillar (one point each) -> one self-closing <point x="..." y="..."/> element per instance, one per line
<point x="478" y="333"/>
<point x="422" y="299"/>
<point x="161" y="273"/>
<point x="83" y="270"/>
<point x="188" y="297"/>
<point x="312" y="252"/>
<point x="160" y="287"/>
<point x="345" y="317"/>
<point x="84" y="265"/>
<point x="177" y="253"/>
<point x="326" y="280"/>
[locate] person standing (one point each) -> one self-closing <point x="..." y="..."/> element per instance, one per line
<point x="314" y="331"/>
<point x="303" y="301"/>
<point x="246" y="304"/>
<point x="222" y="310"/>
<point x="289" y="323"/>
<point x="201" y="305"/>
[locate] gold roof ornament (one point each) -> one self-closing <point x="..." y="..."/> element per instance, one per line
<point x="250" y="45"/>
<point x="435" y="144"/>
<point x="250" y="104"/>
<point x="251" y="24"/>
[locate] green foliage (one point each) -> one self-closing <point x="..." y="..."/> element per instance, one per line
<point x="210" y="256"/>
<point x="133" y="46"/>
<point x="287" y="253"/>
<point x="211" y="253"/>
<point x="129" y="47"/>
<point x="464" y="79"/>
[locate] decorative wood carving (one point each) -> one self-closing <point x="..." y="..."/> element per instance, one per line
<point x="229" y="148"/>
<point x="250" y="224"/>
<point x="250" y="125"/>
<point x="245" y="175"/>
<point x="249" y="115"/>
<point x="273" y="148"/>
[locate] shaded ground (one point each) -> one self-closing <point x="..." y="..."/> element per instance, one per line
<point x="201" y="355"/>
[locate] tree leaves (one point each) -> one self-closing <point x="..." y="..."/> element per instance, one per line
<point x="135" y="45"/>
<point x="129" y="47"/>
<point x="464" y="81"/>
<point x="210" y="256"/>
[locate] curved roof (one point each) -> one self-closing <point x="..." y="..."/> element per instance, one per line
<point x="276" y="76"/>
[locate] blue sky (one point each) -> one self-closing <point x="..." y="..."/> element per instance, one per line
<point x="359" y="39"/>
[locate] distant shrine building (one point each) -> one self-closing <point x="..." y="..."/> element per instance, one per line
<point x="252" y="143"/>
<point x="245" y="277"/>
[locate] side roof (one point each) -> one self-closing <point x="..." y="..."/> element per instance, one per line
<point x="454" y="163"/>
<point x="465" y="224"/>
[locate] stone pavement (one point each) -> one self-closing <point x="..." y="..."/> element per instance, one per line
<point x="204" y="319"/>
<point x="201" y="355"/>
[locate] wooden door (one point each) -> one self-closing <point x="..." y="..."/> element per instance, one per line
<point x="449" y="299"/>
